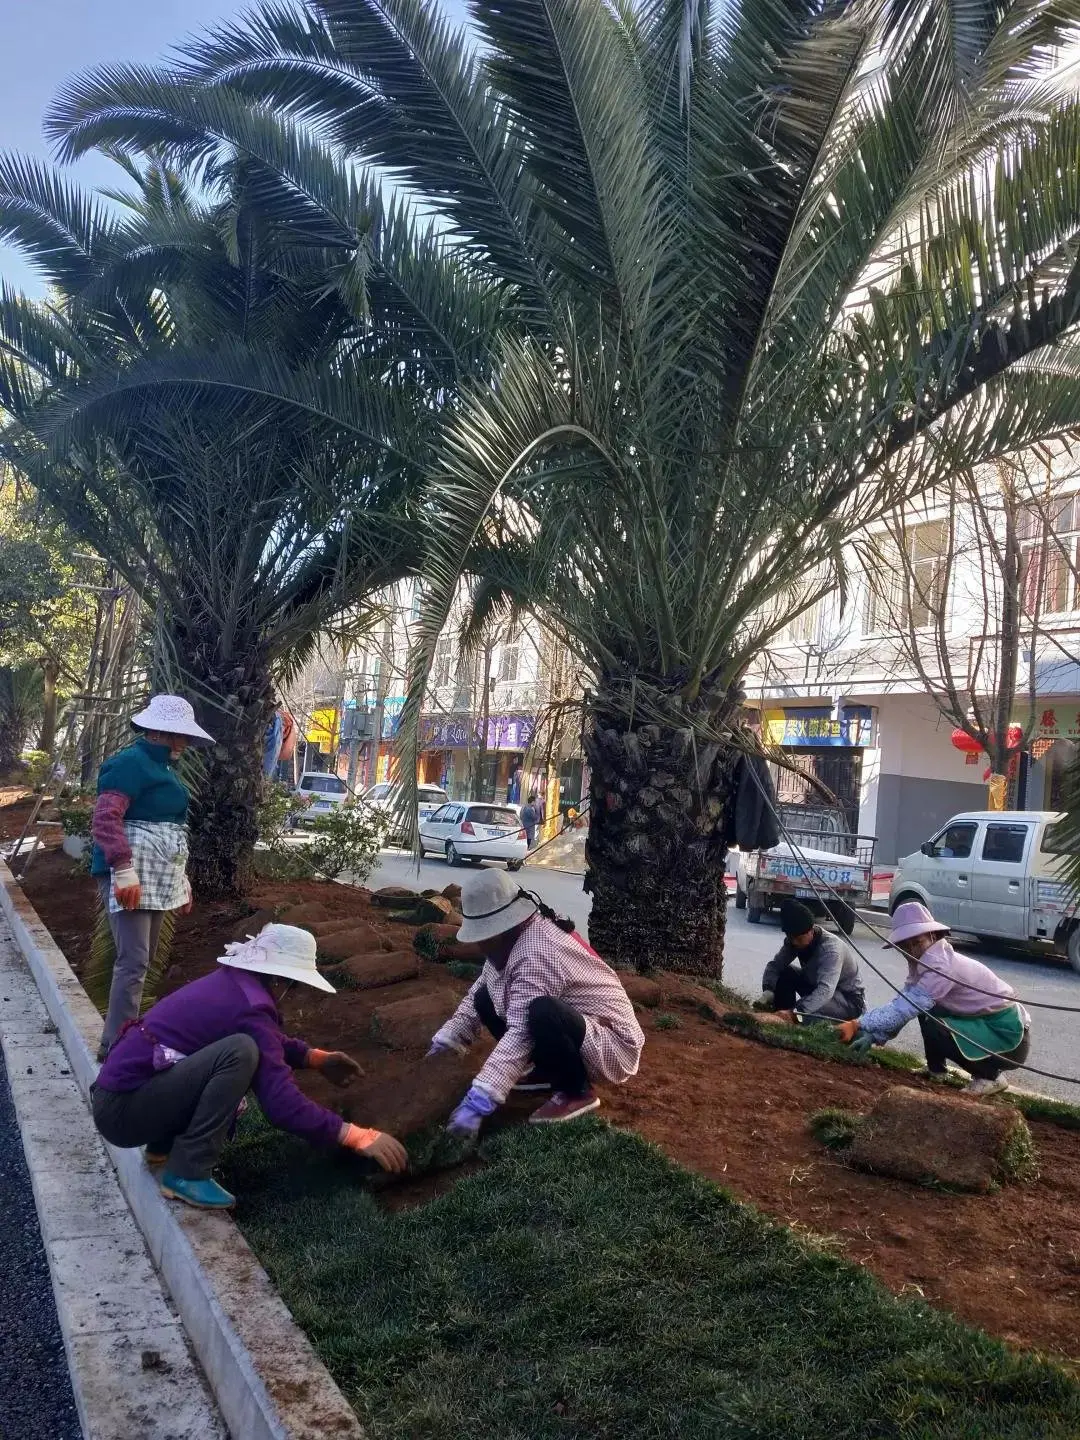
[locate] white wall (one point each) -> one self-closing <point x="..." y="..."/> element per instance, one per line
<point x="914" y="740"/>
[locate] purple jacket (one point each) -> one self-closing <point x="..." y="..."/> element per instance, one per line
<point x="226" y="1002"/>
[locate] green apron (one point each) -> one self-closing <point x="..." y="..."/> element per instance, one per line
<point x="1001" y="1032"/>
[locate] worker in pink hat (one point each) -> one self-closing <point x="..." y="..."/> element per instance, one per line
<point x="966" y="1013"/>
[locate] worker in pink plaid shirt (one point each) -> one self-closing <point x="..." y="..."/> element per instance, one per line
<point x="560" y="1015"/>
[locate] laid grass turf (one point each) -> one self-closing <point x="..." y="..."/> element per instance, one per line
<point x="820" y="1041"/>
<point x="583" y="1287"/>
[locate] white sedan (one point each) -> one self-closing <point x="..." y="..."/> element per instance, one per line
<point x="470" y="830"/>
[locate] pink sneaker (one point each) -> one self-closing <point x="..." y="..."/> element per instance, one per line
<point x="564" y="1107"/>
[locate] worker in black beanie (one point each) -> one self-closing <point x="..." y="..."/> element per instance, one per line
<point x="813" y="974"/>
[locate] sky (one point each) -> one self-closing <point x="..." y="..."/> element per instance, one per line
<point x="45" y="41"/>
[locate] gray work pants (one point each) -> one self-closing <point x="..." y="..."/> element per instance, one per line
<point x="183" y="1112"/>
<point x="135" y="935"/>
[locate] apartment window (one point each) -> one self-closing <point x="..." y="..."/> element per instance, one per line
<point x="510" y="653"/>
<point x="803" y="630"/>
<point x="444" y="658"/>
<point x="1050" y="556"/>
<point x="906" y="578"/>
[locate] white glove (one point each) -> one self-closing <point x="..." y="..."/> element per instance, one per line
<point x="124" y="879"/>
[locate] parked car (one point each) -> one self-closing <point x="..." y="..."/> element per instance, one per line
<point x="995" y="873"/>
<point x="384" y="797"/>
<point x="323" y="792"/>
<point x="817" y="860"/>
<point x="473" y="830"/>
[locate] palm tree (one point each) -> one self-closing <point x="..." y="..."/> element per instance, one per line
<point x="767" y="269"/>
<point x="204" y="398"/>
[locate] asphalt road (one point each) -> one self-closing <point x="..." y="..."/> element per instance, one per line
<point x="749" y="947"/>
<point x="36" y="1402"/>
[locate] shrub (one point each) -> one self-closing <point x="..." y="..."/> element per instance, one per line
<point x="38" y="765"/>
<point x="665" y="1021"/>
<point x="284" y="864"/>
<point x="75" y="816"/>
<point x="276" y="809"/>
<point x="348" y="840"/>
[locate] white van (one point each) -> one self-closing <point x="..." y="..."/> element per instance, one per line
<point x="995" y="873"/>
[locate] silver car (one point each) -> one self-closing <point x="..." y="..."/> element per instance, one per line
<point x="474" y="830"/>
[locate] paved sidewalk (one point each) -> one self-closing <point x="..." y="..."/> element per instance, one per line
<point x="36" y="1401"/>
<point x="131" y="1372"/>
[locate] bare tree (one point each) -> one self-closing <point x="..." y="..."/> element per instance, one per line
<point x="962" y="591"/>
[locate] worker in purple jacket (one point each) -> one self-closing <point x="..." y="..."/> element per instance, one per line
<point x="174" y="1079"/>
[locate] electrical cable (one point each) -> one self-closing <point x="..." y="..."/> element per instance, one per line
<point x="813" y="878"/>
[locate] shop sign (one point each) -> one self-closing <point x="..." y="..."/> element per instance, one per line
<point x="323" y="730"/>
<point x="805" y="726"/>
<point x="1053" y="721"/>
<point x="504" y="732"/>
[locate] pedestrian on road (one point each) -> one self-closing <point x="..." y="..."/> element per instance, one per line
<point x="964" y="1010"/>
<point x="813" y="974"/>
<point x="560" y="1015"/>
<point x="530" y="818"/>
<point x="174" y="1080"/>
<point x="140" y="851"/>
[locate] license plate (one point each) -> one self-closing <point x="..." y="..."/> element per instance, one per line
<point x="321" y="805"/>
<point x="805" y="895"/>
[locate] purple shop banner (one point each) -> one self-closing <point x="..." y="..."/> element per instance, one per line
<point x="504" y="732"/>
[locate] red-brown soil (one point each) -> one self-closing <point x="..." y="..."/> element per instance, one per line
<point x="725" y="1106"/>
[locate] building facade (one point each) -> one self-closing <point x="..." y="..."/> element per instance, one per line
<point x="865" y="694"/>
<point x="487" y="727"/>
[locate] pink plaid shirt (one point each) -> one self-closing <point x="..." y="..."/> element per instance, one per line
<point x="548" y="961"/>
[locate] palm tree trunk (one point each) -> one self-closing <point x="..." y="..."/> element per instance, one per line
<point x="655" y="852"/>
<point x="225" y="794"/>
<point x="48" y="718"/>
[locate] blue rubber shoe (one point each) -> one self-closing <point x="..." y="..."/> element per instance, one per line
<point x="204" y="1194"/>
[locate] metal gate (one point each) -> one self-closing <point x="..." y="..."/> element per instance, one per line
<point x="841" y="773"/>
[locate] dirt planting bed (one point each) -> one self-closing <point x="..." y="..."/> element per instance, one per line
<point x="723" y="1105"/>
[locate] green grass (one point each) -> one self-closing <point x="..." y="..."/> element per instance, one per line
<point x="834" y="1128"/>
<point x="1041" y="1107"/>
<point x="463" y="970"/>
<point x="580" y="1286"/>
<point x="820" y="1041"/>
<point x="817" y="1040"/>
<point x="1020" y="1160"/>
<point x="665" y="1021"/>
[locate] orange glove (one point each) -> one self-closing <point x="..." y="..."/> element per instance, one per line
<point x="387" y="1151"/>
<point x="847" y="1030"/>
<point x="338" y="1067"/>
<point x="126" y="887"/>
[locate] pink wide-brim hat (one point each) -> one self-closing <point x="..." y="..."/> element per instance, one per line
<point x="911" y="919"/>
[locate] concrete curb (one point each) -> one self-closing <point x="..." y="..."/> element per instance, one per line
<point x="262" y="1370"/>
<point x="132" y="1373"/>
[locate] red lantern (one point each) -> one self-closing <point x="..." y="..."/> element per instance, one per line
<point x="1014" y="737"/>
<point x="961" y="740"/>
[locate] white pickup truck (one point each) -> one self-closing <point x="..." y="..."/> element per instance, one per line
<point x="817" y="860"/>
<point x="998" y="874"/>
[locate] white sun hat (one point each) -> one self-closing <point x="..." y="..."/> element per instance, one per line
<point x="172" y="715"/>
<point x="491" y="904"/>
<point x="283" y="950"/>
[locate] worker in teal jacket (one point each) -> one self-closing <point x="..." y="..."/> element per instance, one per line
<point x="140" y="846"/>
